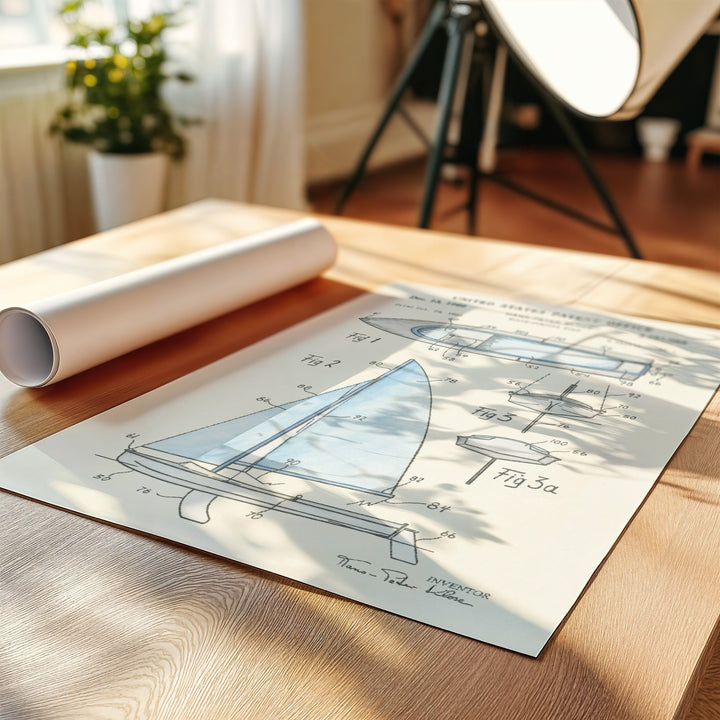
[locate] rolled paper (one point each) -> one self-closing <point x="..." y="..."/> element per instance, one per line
<point x="53" y="338"/>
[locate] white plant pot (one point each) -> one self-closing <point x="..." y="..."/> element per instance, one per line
<point x="126" y="187"/>
<point x="657" y="135"/>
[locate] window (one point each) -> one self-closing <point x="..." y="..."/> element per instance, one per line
<point x="23" y="23"/>
<point x="32" y="34"/>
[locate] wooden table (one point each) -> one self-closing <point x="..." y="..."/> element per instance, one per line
<point x="99" y="622"/>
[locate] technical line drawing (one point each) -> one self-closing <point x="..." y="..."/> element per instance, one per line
<point x="361" y="437"/>
<point x="522" y="348"/>
<point x="554" y="404"/>
<point x="495" y="448"/>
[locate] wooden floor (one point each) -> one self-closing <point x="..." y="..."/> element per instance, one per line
<point x="673" y="214"/>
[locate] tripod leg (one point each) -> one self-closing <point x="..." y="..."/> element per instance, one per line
<point x="456" y="27"/>
<point x="577" y="145"/>
<point x="493" y="110"/>
<point x="482" y="129"/>
<point x="473" y="130"/>
<point x="434" y="21"/>
<point x="473" y="191"/>
<point x="463" y="86"/>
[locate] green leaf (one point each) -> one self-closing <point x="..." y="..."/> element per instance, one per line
<point x="118" y="106"/>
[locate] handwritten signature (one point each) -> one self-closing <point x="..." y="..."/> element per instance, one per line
<point x="399" y="578"/>
<point x="447" y="594"/>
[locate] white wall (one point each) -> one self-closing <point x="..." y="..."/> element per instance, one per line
<point x="353" y="54"/>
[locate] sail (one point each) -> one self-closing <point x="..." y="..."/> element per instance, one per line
<point x="214" y="443"/>
<point x="361" y="436"/>
<point x="197" y="443"/>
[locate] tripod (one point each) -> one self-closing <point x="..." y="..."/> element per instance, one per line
<point x="460" y="18"/>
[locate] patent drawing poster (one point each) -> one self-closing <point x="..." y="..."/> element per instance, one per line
<point x="460" y="460"/>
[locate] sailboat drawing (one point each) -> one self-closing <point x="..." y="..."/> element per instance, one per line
<point x="361" y="437"/>
<point x="521" y="348"/>
<point x="495" y="448"/>
<point x="553" y="404"/>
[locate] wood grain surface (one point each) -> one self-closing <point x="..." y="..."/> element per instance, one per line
<point x="102" y="623"/>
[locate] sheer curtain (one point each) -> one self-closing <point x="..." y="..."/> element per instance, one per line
<point x="32" y="207"/>
<point x="248" y="60"/>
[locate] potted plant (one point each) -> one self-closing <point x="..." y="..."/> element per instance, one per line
<point x="115" y="106"/>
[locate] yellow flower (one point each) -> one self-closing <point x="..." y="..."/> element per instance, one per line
<point x="90" y="81"/>
<point x="155" y="24"/>
<point x="120" y="61"/>
<point x="89" y="63"/>
<point x="71" y="66"/>
<point x="115" y="75"/>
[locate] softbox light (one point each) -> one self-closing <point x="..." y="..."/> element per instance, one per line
<point x="602" y="58"/>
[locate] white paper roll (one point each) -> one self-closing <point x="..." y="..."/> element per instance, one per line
<point x="50" y="339"/>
